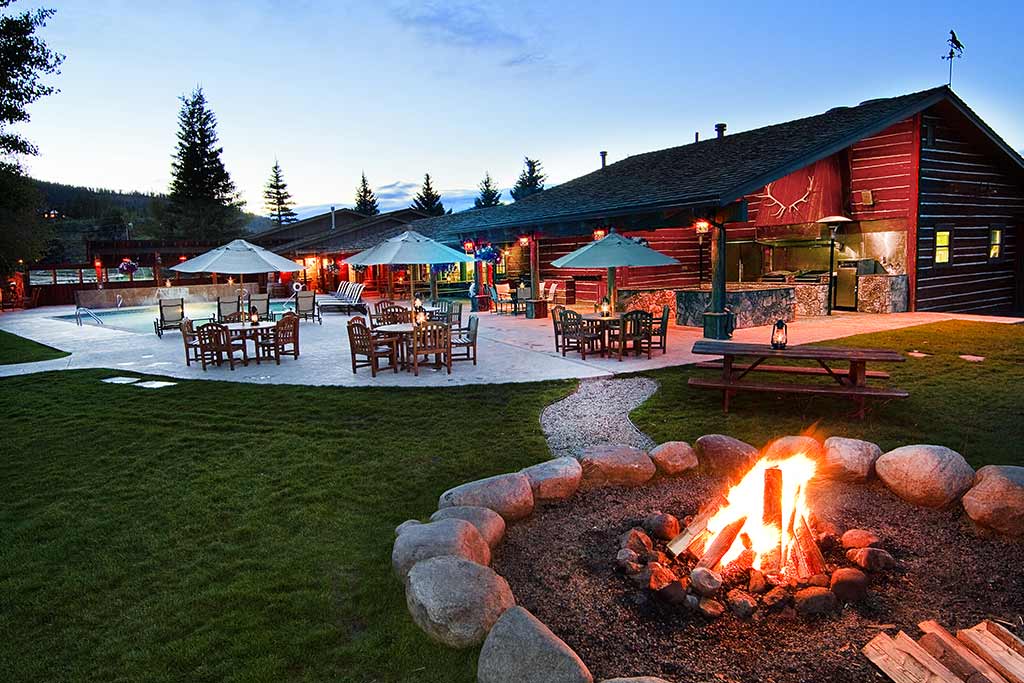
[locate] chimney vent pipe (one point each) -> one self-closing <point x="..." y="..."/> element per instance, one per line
<point x="332" y="218"/>
<point x="604" y="158"/>
<point x="696" y="136"/>
<point x="720" y="129"/>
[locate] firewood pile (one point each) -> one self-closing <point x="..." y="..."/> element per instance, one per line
<point x="986" y="653"/>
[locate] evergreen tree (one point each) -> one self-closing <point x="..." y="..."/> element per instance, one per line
<point x="489" y="194"/>
<point x="203" y="203"/>
<point x="530" y="181"/>
<point x="428" y="201"/>
<point x="277" y="200"/>
<point x="24" y="59"/>
<point x="366" y="200"/>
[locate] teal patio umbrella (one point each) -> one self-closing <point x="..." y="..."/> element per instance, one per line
<point x="408" y="249"/>
<point x="611" y="252"/>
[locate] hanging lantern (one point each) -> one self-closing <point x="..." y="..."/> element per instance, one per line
<point x="468" y="246"/>
<point x="599" y="234"/>
<point x="606" y="307"/>
<point x="254" y="316"/>
<point x="524" y="240"/>
<point x="779" y="335"/>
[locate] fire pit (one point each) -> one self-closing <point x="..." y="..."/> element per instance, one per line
<point x="731" y="568"/>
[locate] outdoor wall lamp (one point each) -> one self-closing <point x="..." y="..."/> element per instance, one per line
<point x="467" y="246"/>
<point x="524" y="240"/>
<point x="600" y="234"/>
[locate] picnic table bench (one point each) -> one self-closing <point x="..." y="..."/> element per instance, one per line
<point x="851" y="381"/>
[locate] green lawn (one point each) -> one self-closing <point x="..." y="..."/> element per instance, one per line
<point x="974" y="408"/>
<point x="224" y="531"/>
<point x="15" y="349"/>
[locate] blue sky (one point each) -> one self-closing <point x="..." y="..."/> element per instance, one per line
<point x="397" y="89"/>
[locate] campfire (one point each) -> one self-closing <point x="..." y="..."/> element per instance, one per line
<point x="762" y="524"/>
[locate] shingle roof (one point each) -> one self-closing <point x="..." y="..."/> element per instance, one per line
<point x="712" y="172"/>
<point x="284" y="227"/>
<point x="355" y="236"/>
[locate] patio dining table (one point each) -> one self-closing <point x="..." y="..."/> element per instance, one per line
<point x="247" y="331"/>
<point x="401" y="330"/>
<point x="604" y="323"/>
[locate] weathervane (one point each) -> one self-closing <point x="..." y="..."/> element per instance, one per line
<point x="956" y="51"/>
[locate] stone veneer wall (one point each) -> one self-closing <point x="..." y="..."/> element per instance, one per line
<point x="751" y="307"/>
<point x="882" y="293"/>
<point x="650" y="301"/>
<point x="149" y="296"/>
<point x="811" y="300"/>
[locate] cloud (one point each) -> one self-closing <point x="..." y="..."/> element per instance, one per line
<point x="469" y="26"/>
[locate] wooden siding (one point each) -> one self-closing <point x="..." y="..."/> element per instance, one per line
<point x="969" y="186"/>
<point x="883" y="164"/>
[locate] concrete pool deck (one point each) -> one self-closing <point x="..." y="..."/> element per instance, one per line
<point x="511" y="349"/>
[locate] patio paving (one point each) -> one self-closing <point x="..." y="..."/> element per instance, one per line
<point x="511" y="349"/>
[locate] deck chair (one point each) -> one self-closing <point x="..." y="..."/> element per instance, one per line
<point x="431" y="339"/>
<point x="348" y="298"/>
<point x="367" y="351"/>
<point x="464" y="345"/>
<point x="261" y="302"/>
<point x="550" y="296"/>
<point x="306" y="307"/>
<point x="226" y="307"/>
<point x="172" y="313"/>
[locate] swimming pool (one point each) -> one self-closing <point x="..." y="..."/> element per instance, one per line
<point x="140" y="319"/>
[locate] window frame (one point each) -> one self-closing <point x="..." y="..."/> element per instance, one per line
<point x="1001" y="229"/>
<point x="948" y="263"/>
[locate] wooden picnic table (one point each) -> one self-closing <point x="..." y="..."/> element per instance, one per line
<point x="850" y="382"/>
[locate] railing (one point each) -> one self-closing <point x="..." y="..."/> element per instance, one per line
<point x="82" y="309"/>
<point x="119" y="301"/>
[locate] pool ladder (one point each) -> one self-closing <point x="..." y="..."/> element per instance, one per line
<point x="82" y="309"/>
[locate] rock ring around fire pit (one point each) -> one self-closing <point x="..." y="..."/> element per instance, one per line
<point x="462" y="602"/>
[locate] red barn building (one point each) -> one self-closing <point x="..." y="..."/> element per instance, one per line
<point x="934" y="198"/>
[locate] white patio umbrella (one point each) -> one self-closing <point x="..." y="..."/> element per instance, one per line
<point x="408" y="249"/>
<point x="613" y="251"/>
<point x="239" y="257"/>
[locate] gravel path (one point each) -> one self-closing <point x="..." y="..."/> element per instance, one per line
<point x="597" y="413"/>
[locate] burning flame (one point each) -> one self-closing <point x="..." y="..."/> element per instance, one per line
<point x="747" y="499"/>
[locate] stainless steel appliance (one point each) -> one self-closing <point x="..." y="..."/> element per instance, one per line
<point x="846" y="280"/>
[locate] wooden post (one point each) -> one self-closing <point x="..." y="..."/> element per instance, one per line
<point x="772" y="516"/>
<point x="534" y="267"/>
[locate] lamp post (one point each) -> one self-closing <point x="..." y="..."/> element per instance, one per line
<point x="833" y="223"/>
<point x="702" y="228"/>
<point x="716" y="320"/>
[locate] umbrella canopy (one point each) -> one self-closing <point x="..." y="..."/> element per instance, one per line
<point x="612" y="251"/>
<point x="239" y="257"/>
<point x="409" y="248"/>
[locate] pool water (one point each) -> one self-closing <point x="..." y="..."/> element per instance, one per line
<point x="140" y="320"/>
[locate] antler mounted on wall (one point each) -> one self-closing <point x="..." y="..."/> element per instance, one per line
<point x="783" y="207"/>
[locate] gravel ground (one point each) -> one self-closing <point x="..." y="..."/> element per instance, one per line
<point x="560" y="565"/>
<point x="597" y="413"/>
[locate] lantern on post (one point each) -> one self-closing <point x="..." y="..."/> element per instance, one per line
<point x="779" y="335"/>
<point x="701" y="227"/>
<point x="606" y="307"/>
<point x="254" y="316"/>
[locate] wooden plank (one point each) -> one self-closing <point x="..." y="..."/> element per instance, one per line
<point x="825" y="389"/>
<point x="771" y="562"/>
<point x="717" y="549"/>
<point x="955" y="655"/>
<point x="678" y="545"/>
<point x="903" y="661"/>
<point x="1002" y="657"/>
<point x="722" y="348"/>
<point x="1002" y="633"/>
<point x="788" y="369"/>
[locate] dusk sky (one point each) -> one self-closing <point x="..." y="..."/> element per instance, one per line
<point x="457" y="89"/>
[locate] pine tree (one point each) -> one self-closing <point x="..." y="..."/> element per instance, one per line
<point x="203" y="203"/>
<point x="428" y="201"/>
<point x="277" y="200"/>
<point x="530" y="181"/>
<point x="366" y="200"/>
<point x="489" y="194"/>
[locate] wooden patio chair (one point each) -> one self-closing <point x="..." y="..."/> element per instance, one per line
<point x="378" y="309"/>
<point x="444" y="307"/>
<point x="659" y="333"/>
<point x="216" y="337"/>
<point x="226" y="307"/>
<point x="236" y="317"/>
<point x="578" y="334"/>
<point x="431" y="339"/>
<point x="172" y="314"/>
<point x="633" y="328"/>
<point x="191" y="339"/>
<point x="363" y="344"/>
<point x="209" y="343"/>
<point x="280" y="340"/>
<point x="395" y="315"/>
<point x="556" y="325"/>
<point x="464" y="345"/>
<point x="455" y="316"/>
<point x="306" y="307"/>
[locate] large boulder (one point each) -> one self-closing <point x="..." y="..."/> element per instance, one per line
<point x="489" y="523"/>
<point x="673" y="458"/>
<point x="443" y="537"/>
<point x="616" y="465"/>
<point x="849" y="459"/>
<point x="521" y="649"/>
<point x="996" y="500"/>
<point x="932" y="476"/>
<point x="724" y="455"/>
<point x="785" y="446"/>
<point x="507" y="494"/>
<point x="456" y="602"/>
<point x="555" y="479"/>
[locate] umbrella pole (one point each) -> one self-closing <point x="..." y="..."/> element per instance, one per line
<point x="612" y="294"/>
<point x="433" y="284"/>
<point x="412" y="284"/>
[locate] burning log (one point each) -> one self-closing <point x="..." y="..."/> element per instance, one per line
<point x="771" y="562"/>
<point x="718" y="547"/>
<point x="695" y="536"/>
<point x="810" y="559"/>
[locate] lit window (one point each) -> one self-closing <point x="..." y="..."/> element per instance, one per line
<point x="942" y="241"/>
<point x="995" y="243"/>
